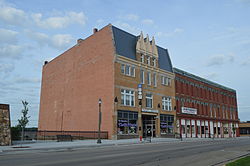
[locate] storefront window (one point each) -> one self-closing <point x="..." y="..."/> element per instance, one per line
<point x="127" y="122"/>
<point x="167" y="124"/>
<point x="193" y="129"/>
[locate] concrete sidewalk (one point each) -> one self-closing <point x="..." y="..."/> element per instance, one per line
<point x="54" y="145"/>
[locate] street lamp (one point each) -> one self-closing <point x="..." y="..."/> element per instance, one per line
<point x="99" y="124"/>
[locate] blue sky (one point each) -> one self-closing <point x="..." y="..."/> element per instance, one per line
<point x="208" y="38"/>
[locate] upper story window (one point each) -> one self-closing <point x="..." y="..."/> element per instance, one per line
<point x="149" y="100"/>
<point x="148" y="60"/>
<point x="154" y="80"/>
<point x="142" y="58"/>
<point x="127" y="97"/>
<point x="166" y="103"/>
<point x="165" y="80"/>
<point x="154" y="62"/>
<point x="149" y="78"/>
<point x="128" y="70"/>
<point x="142" y="79"/>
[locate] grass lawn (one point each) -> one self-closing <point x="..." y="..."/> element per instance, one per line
<point x="241" y="162"/>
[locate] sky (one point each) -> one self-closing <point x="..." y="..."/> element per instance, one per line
<point x="208" y="38"/>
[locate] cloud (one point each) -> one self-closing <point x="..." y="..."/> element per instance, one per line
<point x="58" y="41"/>
<point x="6" y="68"/>
<point x="176" y="31"/>
<point x="100" y="21"/>
<point x="127" y="27"/>
<point x="61" y="41"/>
<point x="220" y="59"/>
<point x="59" y="22"/>
<point x="211" y="76"/>
<point x="12" y="16"/>
<point x="130" y="17"/>
<point x="147" y="22"/>
<point x="11" y="51"/>
<point x="8" y="36"/>
<point x="17" y="17"/>
<point x="26" y="80"/>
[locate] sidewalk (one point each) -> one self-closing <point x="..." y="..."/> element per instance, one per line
<point x="54" y="145"/>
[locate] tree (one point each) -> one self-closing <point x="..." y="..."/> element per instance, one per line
<point x="24" y="118"/>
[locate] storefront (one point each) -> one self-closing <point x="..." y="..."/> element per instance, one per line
<point x="127" y="123"/>
<point x="206" y="129"/>
<point x="153" y="125"/>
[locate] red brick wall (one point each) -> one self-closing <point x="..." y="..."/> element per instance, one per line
<point x="203" y="95"/>
<point x="73" y="82"/>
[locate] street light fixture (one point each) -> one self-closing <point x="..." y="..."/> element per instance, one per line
<point x="99" y="124"/>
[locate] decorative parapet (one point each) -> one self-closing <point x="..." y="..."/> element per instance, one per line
<point x="146" y="47"/>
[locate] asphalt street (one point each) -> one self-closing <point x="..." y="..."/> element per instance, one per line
<point x="195" y="153"/>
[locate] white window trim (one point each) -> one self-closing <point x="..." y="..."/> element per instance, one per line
<point x="142" y="58"/>
<point x="142" y="79"/>
<point x="166" y="103"/>
<point x="154" y="62"/>
<point x="148" y="60"/>
<point x="131" y="95"/>
<point x="154" y="79"/>
<point x="149" y="78"/>
<point x="131" y="70"/>
<point x="123" y="68"/>
<point x="149" y="98"/>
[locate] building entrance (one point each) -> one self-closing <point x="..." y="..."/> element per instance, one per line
<point x="148" y="122"/>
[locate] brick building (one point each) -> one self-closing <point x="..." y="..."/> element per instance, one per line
<point x="110" y="65"/>
<point x="5" y="131"/>
<point x="244" y="128"/>
<point x="135" y="80"/>
<point x="204" y="108"/>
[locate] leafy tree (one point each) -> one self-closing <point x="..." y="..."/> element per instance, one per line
<point x="24" y="118"/>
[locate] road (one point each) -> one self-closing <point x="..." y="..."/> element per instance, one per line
<point x="199" y="153"/>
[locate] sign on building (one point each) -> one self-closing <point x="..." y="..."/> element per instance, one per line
<point x="139" y="91"/>
<point x="187" y="110"/>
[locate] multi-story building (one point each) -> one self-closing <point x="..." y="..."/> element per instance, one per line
<point x="139" y="90"/>
<point x="204" y="108"/>
<point x="131" y="75"/>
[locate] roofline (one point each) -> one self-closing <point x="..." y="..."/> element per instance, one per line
<point x="182" y="72"/>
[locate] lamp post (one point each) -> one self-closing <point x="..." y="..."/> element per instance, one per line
<point x="114" y="136"/>
<point x="99" y="123"/>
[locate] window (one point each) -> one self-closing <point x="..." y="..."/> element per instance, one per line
<point x="154" y="62"/>
<point x="122" y="68"/>
<point x="166" y="124"/>
<point x="148" y="60"/>
<point x="166" y="103"/>
<point x="127" y="97"/>
<point x="133" y="71"/>
<point x="149" y="100"/>
<point x="142" y="76"/>
<point x="165" y="80"/>
<point x="154" y="80"/>
<point x="128" y="70"/>
<point x="149" y="78"/>
<point x="142" y="58"/>
<point x="127" y="122"/>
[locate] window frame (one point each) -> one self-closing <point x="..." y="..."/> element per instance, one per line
<point x="127" y="97"/>
<point x="166" y="103"/>
<point x="149" y="78"/>
<point x="149" y="100"/>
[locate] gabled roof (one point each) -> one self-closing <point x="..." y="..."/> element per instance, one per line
<point x="125" y="45"/>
